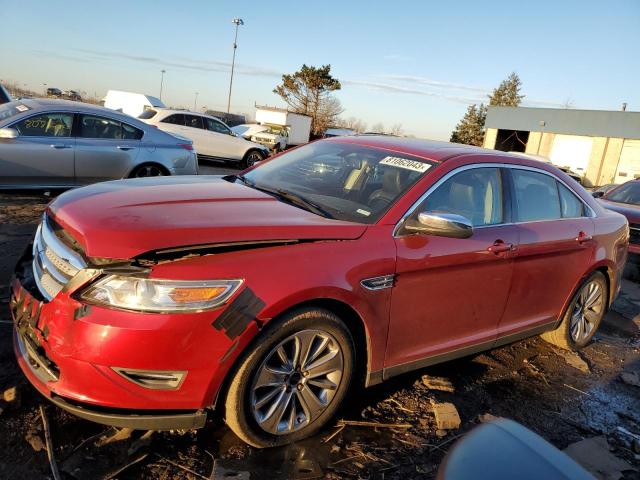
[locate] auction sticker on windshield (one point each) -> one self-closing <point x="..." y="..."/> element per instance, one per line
<point x="405" y="163"/>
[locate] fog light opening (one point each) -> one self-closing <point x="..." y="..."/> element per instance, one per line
<point x="153" y="379"/>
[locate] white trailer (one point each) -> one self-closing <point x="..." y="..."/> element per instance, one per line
<point x="299" y="125"/>
<point x="131" y="103"/>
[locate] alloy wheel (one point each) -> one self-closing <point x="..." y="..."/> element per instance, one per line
<point x="587" y="311"/>
<point x="148" y="171"/>
<point x="252" y="158"/>
<point x="297" y="381"/>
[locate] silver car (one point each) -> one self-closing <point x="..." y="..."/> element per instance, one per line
<point x="59" y="143"/>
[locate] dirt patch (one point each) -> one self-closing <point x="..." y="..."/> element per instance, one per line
<point x="529" y="382"/>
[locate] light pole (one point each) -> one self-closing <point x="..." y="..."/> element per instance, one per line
<point x="195" y="102"/>
<point x="162" y="72"/>
<point x="237" y="22"/>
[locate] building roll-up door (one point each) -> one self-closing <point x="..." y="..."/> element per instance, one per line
<point x="629" y="164"/>
<point x="572" y="152"/>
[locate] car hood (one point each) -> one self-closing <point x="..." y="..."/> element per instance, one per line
<point x="632" y="212"/>
<point x="126" y="218"/>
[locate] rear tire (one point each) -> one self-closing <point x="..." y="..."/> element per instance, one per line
<point x="148" y="170"/>
<point x="251" y="157"/>
<point x="583" y="316"/>
<point x="278" y="396"/>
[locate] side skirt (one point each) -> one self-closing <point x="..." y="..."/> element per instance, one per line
<point x="374" y="378"/>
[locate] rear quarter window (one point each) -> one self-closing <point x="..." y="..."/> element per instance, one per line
<point x="148" y="114"/>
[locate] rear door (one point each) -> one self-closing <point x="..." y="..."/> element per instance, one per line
<point x="555" y="231"/>
<point x="42" y="154"/>
<point x="106" y="149"/>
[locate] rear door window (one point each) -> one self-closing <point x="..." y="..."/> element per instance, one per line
<point x="175" y="119"/>
<point x="92" y="126"/>
<point x="570" y="205"/>
<point x="536" y="195"/>
<point x="193" y="121"/>
<point x="46" y="125"/>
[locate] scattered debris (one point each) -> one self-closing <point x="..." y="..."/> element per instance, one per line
<point x="182" y="467"/>
<point x="487" y="417"/>
<point x="357" y="423"/>
<point x="576" y="389"/>
<point x="119" y="470"/>
<point x="576" y="361"/>
<point x="49" y="445"/>
<point x="35" y="441"/>
<point x="594" y="455"/>
<point x="630" y="378"/>
<point x="446" y="414"/>
<point x="437" y="383"/>
<point x="119" y="435"/>
<point x="10" y="395"/>
<point x="628" y="439"/>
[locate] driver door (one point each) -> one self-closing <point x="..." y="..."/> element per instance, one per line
<point x="450" y="293"/>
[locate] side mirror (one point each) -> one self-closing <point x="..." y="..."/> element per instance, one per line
<point x="8" y="133"/>
<point x="597" y="194"/>
<point x="441" y="224"/>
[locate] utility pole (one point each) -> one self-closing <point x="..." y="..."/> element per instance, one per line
<point x="162" y="72"/>
<point x="237" y="22"/>
<point x="195" y="102"/>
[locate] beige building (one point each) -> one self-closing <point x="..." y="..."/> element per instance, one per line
<point x="601" y="146"/>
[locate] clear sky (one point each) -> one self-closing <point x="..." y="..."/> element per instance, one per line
<point x="418" y="63"/>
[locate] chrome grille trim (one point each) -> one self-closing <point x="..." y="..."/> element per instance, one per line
<point x="54" y="263"/>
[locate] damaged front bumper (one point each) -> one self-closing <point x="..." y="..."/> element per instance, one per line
<point x="74" y="354"/>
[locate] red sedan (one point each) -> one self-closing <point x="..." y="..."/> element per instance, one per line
<point x="147" y="303"/>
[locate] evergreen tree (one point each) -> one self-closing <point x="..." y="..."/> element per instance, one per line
<point x="507" y="94"/>
<point x="470" y="130"/>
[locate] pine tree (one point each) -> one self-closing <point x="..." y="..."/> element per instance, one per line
<point x="507" y="94"/>
<point x="470" y="130"/>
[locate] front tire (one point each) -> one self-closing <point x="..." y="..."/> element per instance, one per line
<point x="251" y="158"/>
<point x="583" y="315"/>
<point x="290" y="384"/>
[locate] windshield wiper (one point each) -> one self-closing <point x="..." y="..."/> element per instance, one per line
<point x="294" y="199"/>
<point x="290" y="197"/>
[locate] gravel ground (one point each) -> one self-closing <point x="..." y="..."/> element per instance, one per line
<point x="565" y="398"/>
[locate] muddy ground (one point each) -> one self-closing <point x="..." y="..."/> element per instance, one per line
<point x="563" y="398"/>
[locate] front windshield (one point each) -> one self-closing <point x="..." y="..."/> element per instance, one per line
<point x="346" y="181"/>
<point x="627" y="193"/>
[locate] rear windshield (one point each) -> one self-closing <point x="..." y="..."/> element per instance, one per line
<point x="147" y="114"/>
<point x="12" y="109"/>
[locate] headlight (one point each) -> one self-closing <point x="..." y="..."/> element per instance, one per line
<point x="151" y="295"/>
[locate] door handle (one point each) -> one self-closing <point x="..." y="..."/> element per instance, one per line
<point x="499" y="247"/>
<point x="60" y="146"/>
<point x="125" y="147"/>
<point x="583" y="238"/>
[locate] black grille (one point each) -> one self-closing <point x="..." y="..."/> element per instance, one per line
<point x="634" y="233"/>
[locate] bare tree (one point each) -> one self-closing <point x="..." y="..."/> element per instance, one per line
<point x="353" y="123"/>
<point x="377" y="127"/>
<point x="397" y="130"/>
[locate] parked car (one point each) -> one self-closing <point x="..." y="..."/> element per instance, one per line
<point x="61" y="144"/>
<point x="541" y="158"/>
<point x="600" y="191"/>
<point x="266" y="295"/>
<point x="5" y="97"/>
<point x="274" y="137"/>
<point x="72" y="95"/>
<point x="212" y="138"/>
<point x="131" y="103"/>
<point x="625" y="199"/>
<point x="54" y="92"/>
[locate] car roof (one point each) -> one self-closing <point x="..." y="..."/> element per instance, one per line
<point x="428" y="149"/>
<point x="185" y="112"/>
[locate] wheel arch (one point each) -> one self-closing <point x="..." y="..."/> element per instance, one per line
<point x="147" y="163"/>
<point x="353" y="321"/>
